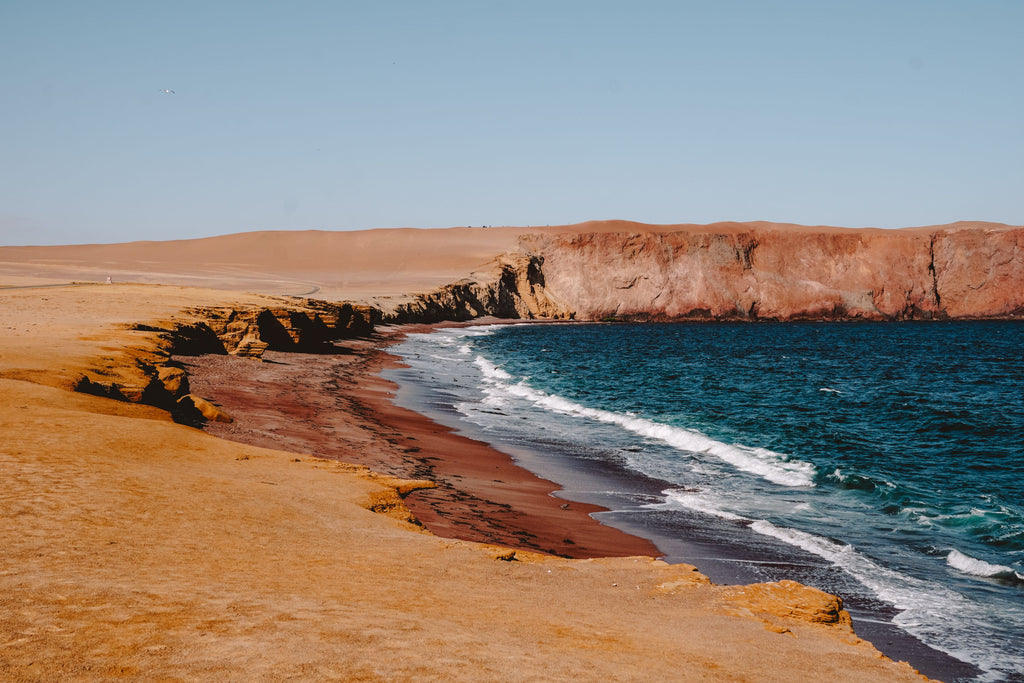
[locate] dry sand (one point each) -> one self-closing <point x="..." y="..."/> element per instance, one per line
<point x="331" y="265"/>
<point x="136" y="547"/>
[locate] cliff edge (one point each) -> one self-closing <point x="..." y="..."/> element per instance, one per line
<point x="768" y="272"/>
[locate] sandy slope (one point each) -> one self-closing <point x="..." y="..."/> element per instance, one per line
<point x="331" y="265"/>
<point x="135" y="547"/>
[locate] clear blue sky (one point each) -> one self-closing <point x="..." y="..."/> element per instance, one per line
<point x="347" y="115"/>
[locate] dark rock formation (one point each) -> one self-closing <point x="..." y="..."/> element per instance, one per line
<point x="148" y="373"/>
<point x="514" y="288"/>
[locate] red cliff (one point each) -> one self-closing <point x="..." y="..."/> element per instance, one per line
<point x="768" y="271"/>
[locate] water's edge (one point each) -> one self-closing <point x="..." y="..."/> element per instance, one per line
<point x="622" y="492"/>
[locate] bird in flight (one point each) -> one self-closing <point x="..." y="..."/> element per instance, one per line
<point x="167" y="92"/>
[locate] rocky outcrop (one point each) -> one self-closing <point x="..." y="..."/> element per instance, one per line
<point x="309" y="326"/>
<point x="781" y="604"/>
<point x="513" y="288"/>
<point x="145" y="371"/>
<point x="196" y="409"/>
<point x="748" y="272"/>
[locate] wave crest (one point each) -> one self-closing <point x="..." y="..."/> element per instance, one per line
<point x="775" y="467"/>
<point x="965" y="564"/>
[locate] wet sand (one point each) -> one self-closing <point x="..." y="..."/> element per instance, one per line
<point x="338" y="407"/>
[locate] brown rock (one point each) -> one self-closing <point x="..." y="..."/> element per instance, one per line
<point x="174" y="379"/>
<point x="788" y="601"/>
<point x="205" y="408"/>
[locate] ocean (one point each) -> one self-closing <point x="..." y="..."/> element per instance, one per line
<point x="883" y="462"/>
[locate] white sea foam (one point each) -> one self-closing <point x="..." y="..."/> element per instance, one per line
<point x="490" y="370"/>
<point x="700" y="501"/>
<point x="479" y="330"/>
<point x="775" y="467"/>
<point x="937" y="615"/>
<point x="459" y="337"/>
<point x="912" y="595"/>
<point x="903" y="592"/>
<point x="974" y="567"/>
<point x="445" y="340"/>
<point x="833" y="551"/>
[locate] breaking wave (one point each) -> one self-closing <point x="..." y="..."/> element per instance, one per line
<point x="774" y="467"/>
<point x="965" y="564"/>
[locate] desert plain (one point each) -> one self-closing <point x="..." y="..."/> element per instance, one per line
<point x="293" y="523"/>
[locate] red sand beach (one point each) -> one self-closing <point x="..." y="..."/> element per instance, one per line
<point x="480" y="494"/>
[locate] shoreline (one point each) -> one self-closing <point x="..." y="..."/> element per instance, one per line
<point x="613" y="490"/>
<point x="482" y="493"/>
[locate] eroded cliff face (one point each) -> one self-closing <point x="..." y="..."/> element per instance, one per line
<point x="514" y="287"/>
<point x="980" y="273"/>
<point x="959" y="271"/>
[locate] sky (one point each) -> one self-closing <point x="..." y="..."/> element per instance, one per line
<point x="349" y="115"/>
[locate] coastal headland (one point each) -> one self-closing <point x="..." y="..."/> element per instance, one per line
<point x="136" y="545"/>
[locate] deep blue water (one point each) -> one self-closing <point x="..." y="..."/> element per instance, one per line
<point x="883" y="462"/>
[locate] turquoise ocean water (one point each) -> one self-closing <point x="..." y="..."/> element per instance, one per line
<point x="882" y="462"/>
